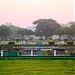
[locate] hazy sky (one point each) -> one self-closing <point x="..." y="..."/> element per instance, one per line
<point x="23" y="12"/>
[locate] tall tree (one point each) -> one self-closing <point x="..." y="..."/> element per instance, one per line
<point x="62" y="31"/>
<point x="72" y="28"/>
<point x="4" y="31"/>
<point x="13" y="30"/>
<point x="23" y="32"/>
<point x="46" y="27"/>
<point x="29" y="32"/>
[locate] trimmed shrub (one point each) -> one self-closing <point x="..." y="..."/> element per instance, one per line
<point x="51" y="43"/>
<point x="11" y="43"/>
<point x="41" y="39"/>
<point x="17" y="40"/>
<point x="70" y="43"/>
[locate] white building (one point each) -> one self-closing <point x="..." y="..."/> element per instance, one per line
<point x="55" y="37"/>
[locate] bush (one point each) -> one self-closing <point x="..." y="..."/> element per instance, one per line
<point x="65" y="40"/>
<point x="70" y="43"/>
<point x="51" y="43"/>
<point x="17" y="40"/>
<point x="41" y="39"/>
<point x="11" y="43"/>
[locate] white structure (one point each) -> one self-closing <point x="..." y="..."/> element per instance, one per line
<point x="1" y="53"/>
<point x="54" y="52"/>
<point x="64" y="37"/>
<point x="55" y="37"/>
<point x="31" y="52"/>
<point x="33" y="36"/>
<point x="36" y="37"/>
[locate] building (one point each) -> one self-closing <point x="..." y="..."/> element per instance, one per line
<point x="22" y="50"/>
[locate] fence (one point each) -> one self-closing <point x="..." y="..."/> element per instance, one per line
<point x="39" y="57"/>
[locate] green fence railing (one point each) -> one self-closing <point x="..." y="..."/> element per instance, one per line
<point x="39" y="57"/>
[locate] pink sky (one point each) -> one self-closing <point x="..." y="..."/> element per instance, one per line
<point x="23" y="12"/>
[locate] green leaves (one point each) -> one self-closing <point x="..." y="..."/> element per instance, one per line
<point x="46" y="27"/>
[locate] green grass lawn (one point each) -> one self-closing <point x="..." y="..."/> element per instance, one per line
<point x="37" y="67"/>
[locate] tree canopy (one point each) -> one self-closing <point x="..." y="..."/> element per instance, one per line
<point x="62" y="31"/>
<point x="46" y="27"/>
<point x="11" y="32"/>
<point x="4" y="31"/>
<point x="24" y="31"/>
<point x="67" y="30"/>
<point x="72" y="28"/>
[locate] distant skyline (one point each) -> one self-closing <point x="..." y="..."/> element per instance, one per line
<point x="23" y="12"/>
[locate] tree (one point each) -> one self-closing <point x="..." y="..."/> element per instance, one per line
<point x="29" y="32"/>
<point x="67" y="30"/>
<point x="13" y="30"/>
<point x="59" y="31"/>
<point x="62" y="31"/>
<point x="23" y="32"/>
<point x="46" y="27"/>
<point x="72" y="28"/>
<point x="4" y="31"/>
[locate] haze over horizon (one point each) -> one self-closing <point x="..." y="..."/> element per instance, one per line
<point x="23" y="12"/>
